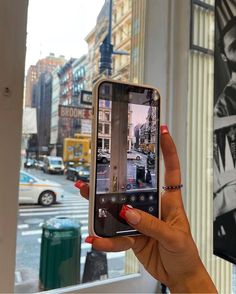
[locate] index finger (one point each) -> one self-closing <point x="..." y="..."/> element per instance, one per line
<point x="84" y="189"/>
<point x="171" y="159"/>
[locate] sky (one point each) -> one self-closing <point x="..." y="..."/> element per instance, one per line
<point x="59" y="27"/>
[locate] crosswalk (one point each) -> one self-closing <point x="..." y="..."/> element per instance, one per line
<point x="32" y="217"/>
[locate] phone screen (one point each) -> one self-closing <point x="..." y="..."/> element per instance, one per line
<point x="127" y="169"/>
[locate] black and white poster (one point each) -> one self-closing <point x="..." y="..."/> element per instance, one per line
<point x="224" y="135"/>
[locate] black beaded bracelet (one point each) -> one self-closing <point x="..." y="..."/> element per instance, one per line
<point x="167" y="188"/>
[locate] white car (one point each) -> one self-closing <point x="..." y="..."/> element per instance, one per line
<point x="132" y="155"/>
<point x="34" y="190"/>
<point x="103" y="157"/>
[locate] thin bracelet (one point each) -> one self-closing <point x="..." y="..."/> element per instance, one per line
<point x="168" y="188"/>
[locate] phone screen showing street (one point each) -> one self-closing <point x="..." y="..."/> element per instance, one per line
<point x="127" y="153"/>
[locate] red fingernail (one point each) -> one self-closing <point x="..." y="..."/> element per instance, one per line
<point x="124" y="209"/>
<point x="164" y="129"/>
<point x="130" y="215"/>
<point x="89" y="239"/>
<point x="79" y="184"/>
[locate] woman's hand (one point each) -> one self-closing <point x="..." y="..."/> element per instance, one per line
<point x="165" y="248"/>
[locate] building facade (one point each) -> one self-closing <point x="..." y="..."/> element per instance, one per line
<point x="121" y="41"/>
<point x="73" y="93"/>
<point x="42" y="101"/>
<point x="54" y="111"/>
<point x="47" y="64"/>
<point x="30" y="79"/>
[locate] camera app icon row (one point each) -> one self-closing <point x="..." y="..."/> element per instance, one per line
<point x="128" y="198"/>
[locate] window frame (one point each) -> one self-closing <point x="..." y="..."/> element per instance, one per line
<point x="192" y="45"/>
<point x="13" y="17"/>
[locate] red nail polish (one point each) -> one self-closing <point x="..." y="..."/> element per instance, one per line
<point x="89" y="239"/>
<point x="164" y="129"/>
<point x="79" y="184"/>
<point x="124" y="209"/>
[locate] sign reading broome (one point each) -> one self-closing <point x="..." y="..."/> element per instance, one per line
<point x="74" y="112"/>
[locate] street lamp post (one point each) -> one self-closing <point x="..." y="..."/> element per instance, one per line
<point x="106" y="49"/>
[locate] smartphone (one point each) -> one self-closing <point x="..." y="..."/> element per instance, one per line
<point x="125" y="155"/>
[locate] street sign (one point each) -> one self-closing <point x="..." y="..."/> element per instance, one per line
<point x="74" y="112"/>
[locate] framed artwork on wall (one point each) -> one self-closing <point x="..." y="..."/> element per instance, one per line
<point x="224" y="134"/>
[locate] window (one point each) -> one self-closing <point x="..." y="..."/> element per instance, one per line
<point x="25" y="178"/>
<point x="107" y="103"/>
<point x="122" y="9"/>
<point x="32" y="216"/>
<point x="107" y="116"/>
<point x="115" y="17"/>
<point x="100" y="143"/>
<point x="66" y="143"/>
<point x="107" y="144"/>
<point x="100" y="115"/>
<point x="106" y="129"/>
<point x="202" y="16"/>
<point x="100" y="128"/>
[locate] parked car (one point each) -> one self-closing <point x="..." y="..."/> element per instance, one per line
<point x="103" y="157"/>
<point x="78" y="173"/>
<point x="34" y="190"/>
<point x="29" y="163"/>
<point x="53" y="164"/>
<point x="134" y="156"/>
<point x="39" y="164"/>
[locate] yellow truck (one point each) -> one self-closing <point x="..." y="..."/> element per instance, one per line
<point x="77" y="150"/>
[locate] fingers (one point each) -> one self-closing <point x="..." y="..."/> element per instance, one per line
<point x="84" y="188"/>
<point x="171" y="159"/>
<point x="111" y="244"/>
<point x="149" y="225"/>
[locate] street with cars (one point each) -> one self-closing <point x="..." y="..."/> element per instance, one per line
<point x="33" y="216"/>
<point x="44" y="194"/>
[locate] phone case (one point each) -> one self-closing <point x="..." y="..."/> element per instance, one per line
<point x="92" y="192"/>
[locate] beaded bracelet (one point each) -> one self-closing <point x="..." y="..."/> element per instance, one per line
<point x="167" y="188"/>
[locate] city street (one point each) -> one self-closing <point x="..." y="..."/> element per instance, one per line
<point x="32" y="217"/>
<point x="103" y="180"/>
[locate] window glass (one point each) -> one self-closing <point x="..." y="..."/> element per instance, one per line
<point x="53" y="217"/>
<point x="100" y="128"/>
<point x="24" y="178"/>
<point x="107" y="129"/>
<point x="107" y="116"/>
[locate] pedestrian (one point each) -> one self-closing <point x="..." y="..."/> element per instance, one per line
<point x="148" y="178"/>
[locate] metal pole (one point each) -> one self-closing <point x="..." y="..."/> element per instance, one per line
<point x="110" y="22"/>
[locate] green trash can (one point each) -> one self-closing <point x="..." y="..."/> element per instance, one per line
<point x="60" y="253"/>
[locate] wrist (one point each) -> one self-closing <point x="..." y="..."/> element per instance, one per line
<point x="197" y="282"/>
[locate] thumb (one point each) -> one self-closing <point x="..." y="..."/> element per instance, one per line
<point x="149" y="225"/>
